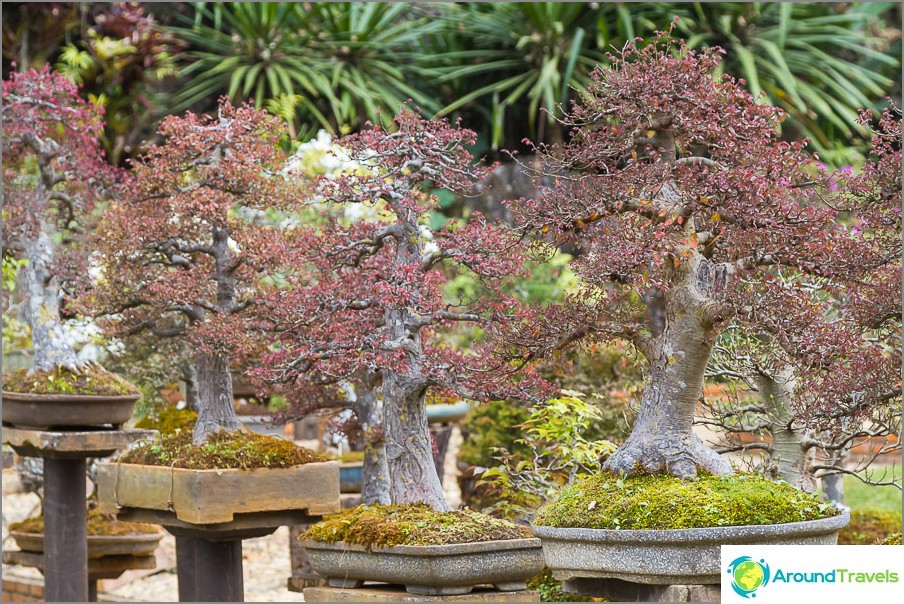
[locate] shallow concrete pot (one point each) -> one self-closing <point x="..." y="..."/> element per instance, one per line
<point x="99" y="546"/>
<point x="436" y="570"/>
<point x="216" y="496"/>
<point x="669" y="557"/>
<point x="44" y="411"/>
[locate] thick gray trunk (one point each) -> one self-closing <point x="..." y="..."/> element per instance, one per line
<point x="215" y="410"/>
<point x="408" y="446"/>
<point x="375" y="479"/>
<point x="789" y="452"/>
<point x="662" y="439"/>
<point x="833" y="484"/>
<point x="52" y="348"/>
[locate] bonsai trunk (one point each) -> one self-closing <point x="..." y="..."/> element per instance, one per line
<point x="52" y="348"/>
<point x="790" y="448"/>
<point x="833" y="484"/>
<point x="662" y="439"/>
<point x="375" y="472"/>
<point x="215" y="410"/>
<point x="409" y="449"/>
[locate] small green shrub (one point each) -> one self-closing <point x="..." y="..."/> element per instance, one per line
<point x="551" y="590"/>
<point x="388" y="525"/>
<point x="168" y="420"/>
<point x="607" y="501"/>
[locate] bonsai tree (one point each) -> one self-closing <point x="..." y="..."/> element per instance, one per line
<point x="53" y="173"/>
<point x="684" y="203"/>
<point x="181" y="253"/>
<point x="374" y="300"/>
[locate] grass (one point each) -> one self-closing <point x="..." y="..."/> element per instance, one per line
<point x="860" y="496"/>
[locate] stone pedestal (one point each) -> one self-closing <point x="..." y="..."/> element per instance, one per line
<point x="65" y="559"/>
<point x="395" y="593"/>
<point x="616" y="590"/>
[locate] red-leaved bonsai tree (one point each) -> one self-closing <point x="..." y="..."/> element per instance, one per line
<point x="182" y="252"/>
<point x="373" y="299"/>
<point x="685" y="204"/>
<point x="53" y="172"/>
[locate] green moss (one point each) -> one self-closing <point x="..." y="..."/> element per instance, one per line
<point x="88" y="380"/>
<point x="893" y="539"/>
<point x="242" y="450"/>
<point x="98" y="525"/>
<point x="388" y="525"/>
<point x="551" y="590"/>
<point x="605" y="501"/>
<point x="168" y="420"/>
<point x="869" y="526"/>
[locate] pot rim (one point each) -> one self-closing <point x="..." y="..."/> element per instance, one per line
<point x="27" y="397"/>
<point x="472" y="547"/>
<point x="139" y="537"/>
<point x="703" y="534"/>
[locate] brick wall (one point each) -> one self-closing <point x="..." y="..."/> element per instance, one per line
<point x="22" y="589"/>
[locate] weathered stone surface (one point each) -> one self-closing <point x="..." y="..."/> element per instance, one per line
<point x="71" y="445"/>
<point x="686" y="556"/>
<point x="616" y="590"/>
<point x="98" y="545"/>
<point x="217" y="496"/>
<point x="107" y="567"/>
<point x="398" y="594"/>
<point x="45" y="411"/>
<point x="430" y="570"/>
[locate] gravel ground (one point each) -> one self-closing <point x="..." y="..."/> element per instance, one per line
<point x="266" y="559"/>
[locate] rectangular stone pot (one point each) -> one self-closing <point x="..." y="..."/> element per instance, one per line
<point x="435" y="570"/>
<point x="216" y="496"/>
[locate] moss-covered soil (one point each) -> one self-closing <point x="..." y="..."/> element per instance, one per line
<point x="168" y="420"/>
<point x="606" y="501"/>
<point x="98" y="525"/>
<point x="893" y="539"/>
<point x="868" y="527"/>
<point x="88" y="380"/>
<point x="223" y="450"/>
<point x="388" y="525"/>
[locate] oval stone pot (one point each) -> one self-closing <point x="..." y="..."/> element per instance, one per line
<point x="447" y="412"/>
<point x="668" y="557"/>
<point x="44" y="411"/>
<point x="351" y="475"/>
<point x="99" y="546"/>
<point x="437" y="570"/>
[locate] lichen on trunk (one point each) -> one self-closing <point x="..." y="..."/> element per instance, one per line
<point x="790" y="451"/>
<point x="215" y="400"/>
<point x="52" y="348"/>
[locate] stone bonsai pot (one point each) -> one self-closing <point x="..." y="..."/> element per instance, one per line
<point x="106" y="536"/>
<point x="235" y="473"/>
<point x="736" y="510"/>
<point x="91" y="397"/>
<point x="416" y="547"/>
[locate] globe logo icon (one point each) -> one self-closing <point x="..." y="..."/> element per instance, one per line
<point x="748" y="575"/>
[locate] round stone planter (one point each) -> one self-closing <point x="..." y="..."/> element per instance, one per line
<point x="668" y="557"/>
<point x="44" y="411"/>
<point x="142" y="544"/>
<point x="437" y="570"/>
<point x="447" y="412"/>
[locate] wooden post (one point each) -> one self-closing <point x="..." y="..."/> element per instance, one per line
<point x="65" y="531"/>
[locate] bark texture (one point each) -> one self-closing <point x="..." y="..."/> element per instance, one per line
<point x="682" y="338"/>
<point x="52" y="348"/>
<point x="215" y="409"/>
<point x="375" y="473"/>
<point x="408" y="446"/>
<point x="790" y="450"/>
